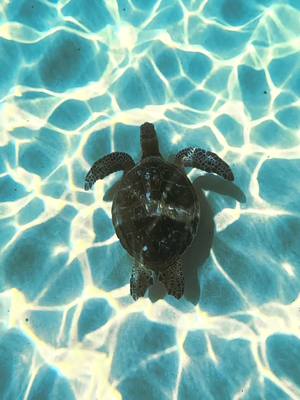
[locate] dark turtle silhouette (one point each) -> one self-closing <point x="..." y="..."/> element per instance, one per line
<point x="155" y="210"/>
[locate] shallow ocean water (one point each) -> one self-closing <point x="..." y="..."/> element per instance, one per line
<point x="77" y="80"/>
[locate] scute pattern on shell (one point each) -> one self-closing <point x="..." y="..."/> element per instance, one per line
<point x="155" y="212"/>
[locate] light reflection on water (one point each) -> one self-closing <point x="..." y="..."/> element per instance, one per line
<point x="77" y="79"/>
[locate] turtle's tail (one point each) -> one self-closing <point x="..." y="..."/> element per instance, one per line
<point x="155" y="276"/>
<point x="149" y="141"/>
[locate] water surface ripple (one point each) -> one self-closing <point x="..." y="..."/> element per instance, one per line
<point x="77" y="79"/>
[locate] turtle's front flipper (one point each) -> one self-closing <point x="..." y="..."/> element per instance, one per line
<point x="141" y="279"/>
<point x="173" y="279"/>
<point x="205" y="160"/>
<point x="107" y="165"/>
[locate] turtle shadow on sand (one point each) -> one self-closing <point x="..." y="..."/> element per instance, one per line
<point x="196" y="255"/>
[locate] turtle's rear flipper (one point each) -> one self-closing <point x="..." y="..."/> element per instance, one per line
<point x="173" y="279"/>
<point x="108" y="164"/>
<point x="141" y="279"/>
<point x="205" y="160"/>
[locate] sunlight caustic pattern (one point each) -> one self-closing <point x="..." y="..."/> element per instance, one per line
<point x="77" y="80"/>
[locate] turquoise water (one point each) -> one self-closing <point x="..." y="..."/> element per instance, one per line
<point x="77" y="79"/>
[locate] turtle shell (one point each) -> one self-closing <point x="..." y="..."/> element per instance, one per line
<point x="155" y="212"/>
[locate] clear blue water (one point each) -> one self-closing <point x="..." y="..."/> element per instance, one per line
<point x="77" y="79"/>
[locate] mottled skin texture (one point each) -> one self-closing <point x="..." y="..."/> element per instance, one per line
<point x="206" y="160"/>
<point x="107" y="165"/>
<point x="155" y="210"/>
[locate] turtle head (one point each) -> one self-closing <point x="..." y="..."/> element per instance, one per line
<point x="149" y="141"/>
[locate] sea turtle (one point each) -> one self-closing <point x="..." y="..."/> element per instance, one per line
<point x="155" y="210"/>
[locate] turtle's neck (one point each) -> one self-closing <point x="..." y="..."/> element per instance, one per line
<point x="149" y="141"/>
